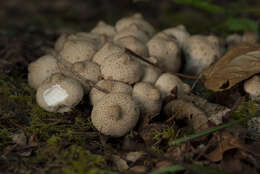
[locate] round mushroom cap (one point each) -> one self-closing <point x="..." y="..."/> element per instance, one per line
<point x="135" y="19"/>
<point x="179" y="32"/>
<point x="167" y="82"/>
<point x="105" y="29"/>
<point x="107" y="50"/>
<point x="167" y="52"/>
<point x="41" y="69"/>
<point x="151" y="74"/>
<point x="133" y="44"/>
<point x="132" y="30"/>
<point x="88" y="70"/>
<point x="110" y="86"/>
<point x="122" y="67"/>
<point x="252" y="87"/>
<point x="59" y="94"/>
<point x="200" y="52"/>
<point x="77" y="51"/>
<point x="148" y="97"/>
<point x="60" y="42"/>
<point x="115" y="115"/>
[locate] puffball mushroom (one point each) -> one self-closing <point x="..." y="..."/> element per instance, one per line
<point x="200" y="52"/>
<point x="122" y="67"/>
<point x="60" y="42"/>
<point x="179" y="32"/>
<point x="136" y="19"/>
<point x="107" y="50"/>
<point x="59" y="93"/>
<point x="105" y="29"/>
<point x="148" y="97"/>
<point x="41" y="69"/>
<point x="111" y="86"/>
<point x="252" y="87"/>
<point x="115" y="115"/>
<point x="167" y="82"/>
<point x="167" y="51"/>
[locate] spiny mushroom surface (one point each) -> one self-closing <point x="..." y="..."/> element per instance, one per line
<point x="252" y="87"/>
<point x="110" y="86"/>
<point x="200" y="52"/>
<point x="167" y="82"/>
<point x="59" y="93"/>
<point x="148" y="98"/>
<point x="41" y="69"/>
<point x="122" y="67"/>
<point x="167" y="51"/>
<point x="115" y="115"/>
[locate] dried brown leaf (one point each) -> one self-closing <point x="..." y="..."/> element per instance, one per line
<point x="237" y="65"/>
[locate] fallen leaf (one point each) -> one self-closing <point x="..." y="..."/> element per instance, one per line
<point x="237" y="65"/>
<point x="120" y="163"/>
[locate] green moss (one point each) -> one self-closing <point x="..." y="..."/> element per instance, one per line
<point x="4" y="138"/>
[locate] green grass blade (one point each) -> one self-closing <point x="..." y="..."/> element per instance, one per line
<point x="174" y="168"/>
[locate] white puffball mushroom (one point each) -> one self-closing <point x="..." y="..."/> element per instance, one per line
<point x="200" y="52"/>
<point x="151" y="73"/>
<point x="59" y="93"/>
<point x="133" y="44"/>
<point x="60" y="42"/>
<point x="252" y="87"/>
<point x="41" y="69"/>
<point x="167" y="51"/>
<point x="135" y="19"/>
<point x="105" y="29"/>
<point x="115" y="115"/>
<point x="167" y="82"/>
<point x="110" y="86"/>
<point x="132" y="30"/>
<point x="88" y="70"/>
<point x="148" y="97"/>
<point x="179" y="32"/>
<point x="107" y="50"/>
<point x="122" y="67"/>
<point x="77" y="51"/>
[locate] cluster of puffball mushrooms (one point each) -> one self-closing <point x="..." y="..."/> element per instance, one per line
<point x="105" y="64"/>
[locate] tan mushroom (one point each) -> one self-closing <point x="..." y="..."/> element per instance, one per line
<point x="148" y="97"/>
<point x="59" y="93"/>
<point x="104" y="29"/>
<point x="115" y="115"/>
<point x="41" y="69"/>
<point x="110" y="86"/>
<point x="252" y="87"/>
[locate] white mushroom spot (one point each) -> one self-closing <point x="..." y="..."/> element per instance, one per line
<point x="55" y="95"/>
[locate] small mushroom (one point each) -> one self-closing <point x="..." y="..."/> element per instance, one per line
<point x="132" y="30"/>
<point x="148" y="97"/>
<point x="252" y="87"/>
<point x="200" y="52"/>
<point x="133" y="44"/>
<point x="110" y="86"/>
<point x="60" y="42"/>
<point x="107" y="50"/>
<point x="167" y="82"/>
<point x="233" y="40"/>
<point x="115" y="115"/>
<point x="88" y="70"/>
<point x="151" y="74"/>
<point x="41" y="69"/>
<point x="250" y="37"/>
<point x="167" y="51"/>
<point x="179" y="32"/>
<point x="105" y="29"/>
<point x="122" y="67"/>
<point x="135" y="19"/>
<point x="59" y="93"/>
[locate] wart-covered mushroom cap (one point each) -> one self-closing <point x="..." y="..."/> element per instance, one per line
<point x="252" y="87"/>
<point x="107" y="50"/>
<point x="59" y="93"/>
<point x="167" y="51"/>
<point x="148" y="97"/>
<point x="122" y="67"/>
<point x="105" y="29"/>
<point x="200" y="52"/>
<point x="168" y="82"/>
<point x="110" y="86"/>
<point x="41" y="69"/>
<point x="135" y="19"/>
<point x="115" y="115"/>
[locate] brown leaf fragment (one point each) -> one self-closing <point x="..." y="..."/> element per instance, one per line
<point x="120" y="163"/>
<point x="134" y="156"/>
<point x="238" y="64"/>
<point x="19" y="139"/>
